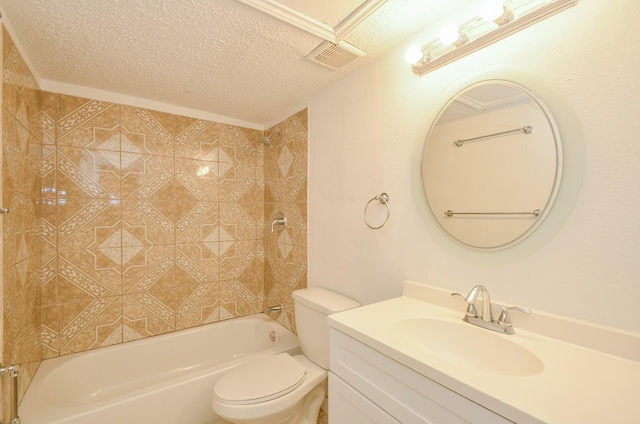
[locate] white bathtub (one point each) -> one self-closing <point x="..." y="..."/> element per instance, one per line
<point x="166" y="379"/>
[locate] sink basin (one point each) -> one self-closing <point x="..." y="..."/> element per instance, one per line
<point x="468" y="345"/>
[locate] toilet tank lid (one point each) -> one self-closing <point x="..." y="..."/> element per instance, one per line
<point x="323" y="300"/>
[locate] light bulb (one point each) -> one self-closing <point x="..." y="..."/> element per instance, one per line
<point x="451" y="35"/>
<point x="492" y="10"/>
<point x="413" y="55"/>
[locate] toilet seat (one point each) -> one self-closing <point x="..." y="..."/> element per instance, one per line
<point x="260" y="380"/>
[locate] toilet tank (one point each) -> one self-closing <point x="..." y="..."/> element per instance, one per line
<point x="312" y="306"/>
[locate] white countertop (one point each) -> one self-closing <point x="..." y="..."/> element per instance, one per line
<point x="577" y="384"/>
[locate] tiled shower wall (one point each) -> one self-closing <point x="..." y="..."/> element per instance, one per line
<point x="22" y="241"/>
<point x="286" y="191"/>
<point x="152" y="223"/>
<point x="156" y="222"/>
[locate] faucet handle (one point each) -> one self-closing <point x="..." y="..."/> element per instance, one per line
<point x="471" y="307"/>
<point x="279" y="219"/>
<point x="505" y="319"/>
<point x="459" y="294"/>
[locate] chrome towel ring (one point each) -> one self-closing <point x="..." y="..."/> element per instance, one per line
<point x="384" y="199"/>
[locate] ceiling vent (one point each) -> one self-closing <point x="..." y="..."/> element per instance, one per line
<point x="335" y="56"/>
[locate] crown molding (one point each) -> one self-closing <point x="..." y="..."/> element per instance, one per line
<point x="313" y="26"/>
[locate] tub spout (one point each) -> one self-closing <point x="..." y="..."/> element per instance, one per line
<point x="274" y="309"/>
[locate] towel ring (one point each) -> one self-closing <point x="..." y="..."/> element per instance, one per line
<point x="384" y="199"/>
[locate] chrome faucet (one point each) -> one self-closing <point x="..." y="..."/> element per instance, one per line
<point x="485" y="318"/>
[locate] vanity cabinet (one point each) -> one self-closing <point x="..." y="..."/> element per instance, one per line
<point x="366" y="386"/>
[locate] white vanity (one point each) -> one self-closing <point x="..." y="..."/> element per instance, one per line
<point x="413" y="360"/>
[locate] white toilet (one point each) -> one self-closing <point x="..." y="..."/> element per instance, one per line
<point x="284" y="389"/>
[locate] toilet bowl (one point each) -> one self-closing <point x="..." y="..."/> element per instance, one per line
<point x="284" y="389"/>
<point x="272" y="390"/>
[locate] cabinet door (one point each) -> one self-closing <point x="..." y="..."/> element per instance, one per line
<point x="347" y="406"/>
<point x="404" y="394"/>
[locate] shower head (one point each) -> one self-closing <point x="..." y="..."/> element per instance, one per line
<point x="267" y="139"/>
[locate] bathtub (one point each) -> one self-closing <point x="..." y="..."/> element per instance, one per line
<point x="166" y="379"/>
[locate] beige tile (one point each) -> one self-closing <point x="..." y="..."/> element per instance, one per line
<point x="15" y="246"/>
<point x="48" y="224"/>
<point x="196" y="179"/>
<point x="238" y="222"/>
<point x="288" y="263"/>
<point x="49" y="329"/>
<point x="48" y="173"/>
<point x="90" y="324"/>
<point x="148" y="268"/>
<point x="241" y="145"/>
<point x="243" y="261"/>
<point x="88" y="274"/>
<point x="147" y="177"/>
<point x="183" y="125"/>
<point x="149" y="313"/>
<point x="197" y="263"/>
<point x="196" y="222"/>
<point x="49" y="283"/>
<point x="236" y="300"/>
<point x="15" y="301"/>
<point x="87" y="123"/>
<point x="16" y="146"/>
<point x="199" y="140"/>
<point x="84" y="223"/>
<point x="235" y="178"/>
<point x="87" y="173"/>
<point x="197" y="305"/>
<point x="145" y="131"/>
<point x="21" y="97"/>
<point x="48" y="118"/>
<point x="296" y="223"/>
<point x="148" y="222"/>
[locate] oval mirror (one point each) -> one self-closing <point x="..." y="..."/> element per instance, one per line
<point x="491" y="165"/>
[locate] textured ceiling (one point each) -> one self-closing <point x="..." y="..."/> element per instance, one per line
<point x="217" y="56"/>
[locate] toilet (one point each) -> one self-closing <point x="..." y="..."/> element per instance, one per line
<point x="284" y="389"/>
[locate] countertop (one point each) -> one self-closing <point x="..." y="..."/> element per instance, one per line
<point x="577" y="384"/>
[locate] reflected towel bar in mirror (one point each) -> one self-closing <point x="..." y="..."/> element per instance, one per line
<point x="534" y="213"/>
<point x="527" y="130"/>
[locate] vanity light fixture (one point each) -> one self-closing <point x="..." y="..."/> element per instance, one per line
<point x="496" y="11"/>
<point x="498" y="19"/>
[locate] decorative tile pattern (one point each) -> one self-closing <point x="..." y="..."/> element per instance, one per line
<point x="197" y="305"/>
<point x="285" y="188"/>
<point x="90" y="324"/>
<point x="157" y="223"/>
<point x="148" y="313"/>
<point x="22" y="115"/>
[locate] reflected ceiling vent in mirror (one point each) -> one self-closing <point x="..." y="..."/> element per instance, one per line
<point x="335" y="56"/>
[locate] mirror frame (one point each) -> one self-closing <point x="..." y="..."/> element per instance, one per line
<point x="557" y="178"/>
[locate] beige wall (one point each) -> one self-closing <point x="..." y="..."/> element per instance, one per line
<point x="22" y="237"/>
